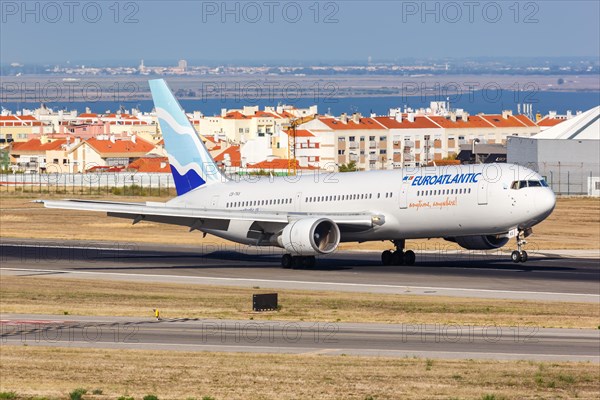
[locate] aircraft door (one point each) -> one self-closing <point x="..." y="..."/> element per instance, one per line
<point x="403" y="196"/>
<point x="298" y="202"/>
<point x="482" y="192"/>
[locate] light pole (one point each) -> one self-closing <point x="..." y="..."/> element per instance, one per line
<point x="473" y="150"/>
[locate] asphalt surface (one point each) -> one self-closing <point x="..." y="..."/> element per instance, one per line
<point x="546" y="276"/>
<point x="432" y="341"/>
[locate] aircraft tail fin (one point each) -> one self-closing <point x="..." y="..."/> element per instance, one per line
<point x="191" y="164"/>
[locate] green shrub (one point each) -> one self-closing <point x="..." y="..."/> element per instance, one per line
<point x="8" y="395"/>
<point x="77" y="394"/>
<point x="150" y="397"/>
<point x="97" y="391"/>
<point x="125" y="398"/>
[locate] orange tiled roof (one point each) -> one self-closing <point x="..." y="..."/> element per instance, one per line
<point x="525" y="120"/>
<point x="363" y="123"/>
<point x="151" y="165"/>
<point x="22" y="120"/>
<point x="473" y="121"/>
<point x="120" y="146"/>
<point x="88" y="115"/>
<point x="235" y="115"/>
<point x="35" y="145"/>
<point x="301" y="133"/>
<point x="420" y="122"/>
<point x="234" y="156"/>
<point x="498" y="121"/>
<point x="550" y="121"/>
<point x="264" y="114"/>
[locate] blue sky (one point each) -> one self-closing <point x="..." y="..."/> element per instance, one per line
<point x="209" y="32"/>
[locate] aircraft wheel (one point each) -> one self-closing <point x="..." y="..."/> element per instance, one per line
<point x="286" y="261"/>
<point x="398" y="258"/>
<point x="387" y="257"/>
<point x="515" y="256"/>
<point x="410" y="257"/>
<point x="524" y="256"/>
<point x="309" y="262"/>
<point x="296" y="262"/>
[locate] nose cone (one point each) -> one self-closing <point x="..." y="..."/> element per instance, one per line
<point x="544" y="204"/>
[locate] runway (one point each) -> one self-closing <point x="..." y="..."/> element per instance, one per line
<point x="404" y="340"/>
<point x="546" y="276"/>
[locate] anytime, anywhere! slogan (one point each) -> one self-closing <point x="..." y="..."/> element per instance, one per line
<point x="434" y="204"/>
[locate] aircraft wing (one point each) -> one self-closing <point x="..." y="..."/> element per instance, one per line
<point x="203" y="219"/>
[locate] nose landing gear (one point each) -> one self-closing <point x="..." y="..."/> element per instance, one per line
<point x="399" y="256"/>
<point x="519" y="255"/>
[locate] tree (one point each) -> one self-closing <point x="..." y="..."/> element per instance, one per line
<point x="350" y="167"/>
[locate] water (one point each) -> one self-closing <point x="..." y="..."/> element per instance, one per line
<point x="489" y="102"/>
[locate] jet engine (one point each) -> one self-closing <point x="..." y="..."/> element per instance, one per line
<point x="310" y="236"/>
<point x="484" y="242"/>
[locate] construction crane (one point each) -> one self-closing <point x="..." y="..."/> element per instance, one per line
<point x="291" y="134"/>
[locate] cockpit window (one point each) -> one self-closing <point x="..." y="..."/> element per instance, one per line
<point x="516" y="185"/>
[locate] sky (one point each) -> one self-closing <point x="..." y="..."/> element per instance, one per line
<point x="310" y="32"/>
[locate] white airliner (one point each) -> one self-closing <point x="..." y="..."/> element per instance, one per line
<point x="479" y="207"/>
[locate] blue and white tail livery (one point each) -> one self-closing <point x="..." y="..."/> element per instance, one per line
<point x="191" y="164"/>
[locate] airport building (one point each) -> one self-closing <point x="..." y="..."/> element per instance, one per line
<point x="566" y="154"/>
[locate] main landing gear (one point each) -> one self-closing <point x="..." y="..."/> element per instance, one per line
<point x="519" y="255"/>
<point x="399" y="256"/>
<point x="294" y="262"/>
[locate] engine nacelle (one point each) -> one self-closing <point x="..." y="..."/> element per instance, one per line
<point x="484" y="242"/>
<point x="310" y="236"/>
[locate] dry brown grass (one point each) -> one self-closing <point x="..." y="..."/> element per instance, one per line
<point x="54" y="372"/>
<point x="575" y="224"/>
<point x="47" y="295"/>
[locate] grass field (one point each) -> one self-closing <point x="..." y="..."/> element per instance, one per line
<point x="57" y="296"/>
<point x="574" y="224"/>
<point x="53" y="373"/>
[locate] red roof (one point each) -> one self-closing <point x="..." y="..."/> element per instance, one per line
<point x="234" y="156"/>
<point x="363" y="123"/>
<point x="473" y="121"/>
<point x="235" y="115"/>
<point x="88" y="115"/>
<point x="120" y="146"/>
<point x="301" y="133"/>
<point x="420" y="122"/>
<point x="151" y="164"/>
<point x="21" y="120"/>
<point x="35" y="145"/>
<point x="525" y="120"/>
<point x="501" y="122"/>
<point x="550" y="121"/>
<point x="264" y="114"/>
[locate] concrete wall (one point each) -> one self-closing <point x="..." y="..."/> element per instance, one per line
<point x="567" y="164"/>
